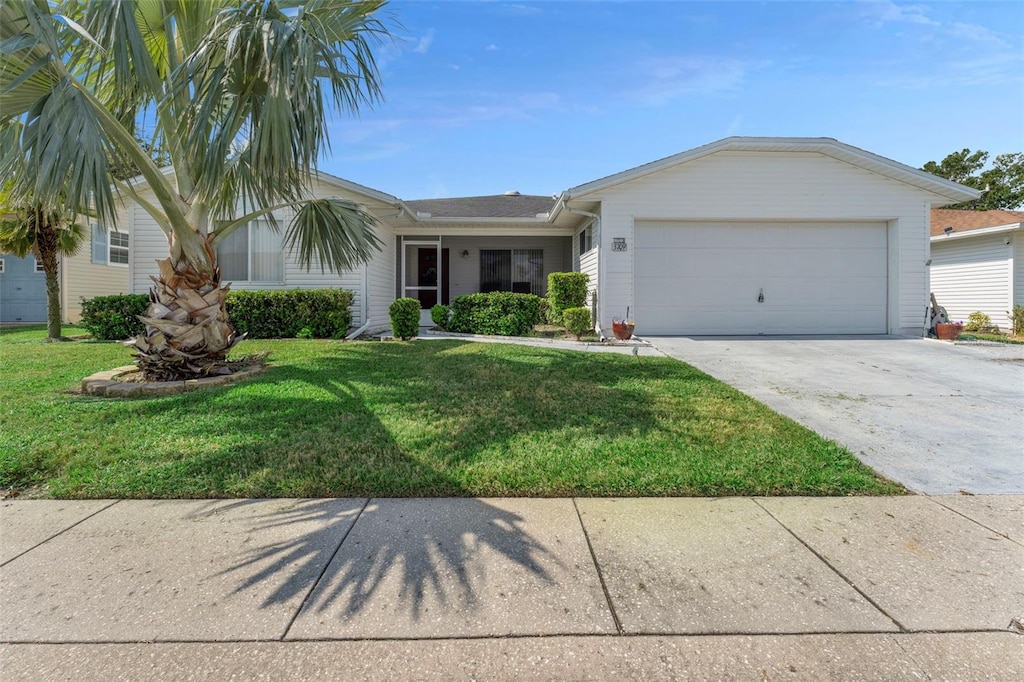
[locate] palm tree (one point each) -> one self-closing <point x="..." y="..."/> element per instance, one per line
<point x="32" y="229"/>
<point x="237" y="95"/>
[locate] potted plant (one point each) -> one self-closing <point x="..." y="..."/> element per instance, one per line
<point x="623" y="329"/>
<point x="948" y="331"/>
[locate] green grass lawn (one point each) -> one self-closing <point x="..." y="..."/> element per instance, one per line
<point x="982" y="336"/>
<point x="426" y="418"/>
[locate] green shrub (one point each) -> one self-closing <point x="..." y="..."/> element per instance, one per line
<point x="1017" y="319"/>
<point x="114" y="318"/>
<point x="405" y="317"/>
<point x="500" y="312"/>
<point x="302" y="313"/>
<point x="566" y="290"/>
<point x="545" y="311"/>
<point x="976" y="321"/>
<point x="577" y="321"/>
<point x="439" y="315"/>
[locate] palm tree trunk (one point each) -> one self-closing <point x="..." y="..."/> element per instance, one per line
<point x="187" y="334"/>
<point x="46" y="247"/>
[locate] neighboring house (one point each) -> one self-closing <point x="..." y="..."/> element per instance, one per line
<point x="978" y="263"/>
<point x="741" y="236"/>
<point x="100" y="268"/>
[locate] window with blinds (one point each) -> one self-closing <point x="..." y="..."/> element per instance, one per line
<point x="517" y="270"/>
<point x="252" y="254"/>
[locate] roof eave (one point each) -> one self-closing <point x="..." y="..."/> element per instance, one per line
<point x="823" y="145"/>
<point x="980" y="232"/>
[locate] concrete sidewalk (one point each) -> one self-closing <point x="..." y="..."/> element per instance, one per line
<point x="733" y="588"/>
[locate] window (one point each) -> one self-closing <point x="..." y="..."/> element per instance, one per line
<point x="587" y="239"/>
<point x="39" y="267"/>
<point x="1" y="266"/>
<point x="518" y="270"/>
<point x="118" y="248"/>
<point x="253" y="253"/>
<point x="109" y="247"/>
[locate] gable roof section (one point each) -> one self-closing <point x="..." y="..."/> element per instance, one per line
<point x="826" y="146"/>
<point x="972" y="221"/>
<point x="493" y="206"/>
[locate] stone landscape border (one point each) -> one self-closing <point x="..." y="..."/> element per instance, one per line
<point x="106" y="383"/>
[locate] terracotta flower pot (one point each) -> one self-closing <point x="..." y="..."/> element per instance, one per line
<point x="947" y="331"/>
<point x="622" y="330"/>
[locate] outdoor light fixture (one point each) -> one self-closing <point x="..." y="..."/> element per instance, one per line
<point x="948" y="229"/>
<point x="465" y="253"/>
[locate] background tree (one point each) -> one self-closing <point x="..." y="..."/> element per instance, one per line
<point x="1002" y="183"/>
<point x="239" y="94"/>
<point x="31" y="228"/>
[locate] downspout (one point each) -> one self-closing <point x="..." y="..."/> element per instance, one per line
<point x="365" y="305"/>
<point x="597" y="224"/>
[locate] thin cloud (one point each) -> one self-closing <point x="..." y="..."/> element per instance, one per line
<point x="522" y="10"/>
<point x="668" y="78"/>
<point x="423" y="44"/>
<point x="491" y="48"/>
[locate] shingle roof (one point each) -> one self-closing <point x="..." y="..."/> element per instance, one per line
<point x="965" y="221"/>
<point x="495" y="206"/>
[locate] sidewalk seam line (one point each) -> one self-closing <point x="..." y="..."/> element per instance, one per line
<point x="60" y="532"/>
<point x="974" y="521"/>
<point x="835" y="570"/>
<point x="597" y="567"/>
<point x="323" y="572"/>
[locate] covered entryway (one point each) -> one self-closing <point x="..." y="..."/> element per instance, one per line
<point x="748" y="278"/>
<point x="22" y="290"/>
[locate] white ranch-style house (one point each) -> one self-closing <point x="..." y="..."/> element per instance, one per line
<point x="742" y="236"/>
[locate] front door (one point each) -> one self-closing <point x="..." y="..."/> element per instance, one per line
<point x="424" y="277"/>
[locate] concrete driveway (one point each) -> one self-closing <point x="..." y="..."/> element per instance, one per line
<point x="937" y="417"/>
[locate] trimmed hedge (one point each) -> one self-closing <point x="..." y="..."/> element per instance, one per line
<point x="273" y="314"/>
<point x="577" y="321"/>
<point x="114" y="318"/>
<point x="267" y="314"/>
<point x="500" y="312"/>
<point x="566" y="290"/>
<point x="439" y="315"/>
<point x="405" y="317"/>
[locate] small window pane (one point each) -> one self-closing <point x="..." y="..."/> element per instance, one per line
<point x="495" y="270"/>
<point x="39" y="267"/>
<point x="267" y="256"/>
<point x="119" y="248"/>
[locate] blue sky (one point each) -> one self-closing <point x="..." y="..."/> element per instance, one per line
<point x="483" y="97"/>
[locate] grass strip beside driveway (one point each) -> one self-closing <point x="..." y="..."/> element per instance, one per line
<point x="427" y="418"/>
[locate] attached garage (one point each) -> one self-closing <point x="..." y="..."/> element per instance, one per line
<point x="761" y="277"/>
<point x="750" y="236"/>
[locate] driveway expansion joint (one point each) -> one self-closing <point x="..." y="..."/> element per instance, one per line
<point x="972" y="519"/>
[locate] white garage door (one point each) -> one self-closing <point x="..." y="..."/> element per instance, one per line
<point x="760" y="278"/>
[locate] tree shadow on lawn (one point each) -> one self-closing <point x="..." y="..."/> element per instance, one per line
<point x="419" y="554"/>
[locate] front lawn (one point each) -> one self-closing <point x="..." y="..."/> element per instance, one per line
<point x="427" y="418"/>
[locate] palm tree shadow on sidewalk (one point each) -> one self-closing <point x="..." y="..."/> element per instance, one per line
<point x="407" y="556"/>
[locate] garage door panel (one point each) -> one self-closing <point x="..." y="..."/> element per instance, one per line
<point x="704" y="278"/>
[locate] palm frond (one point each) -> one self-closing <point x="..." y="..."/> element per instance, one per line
<point x="333" y="233"/>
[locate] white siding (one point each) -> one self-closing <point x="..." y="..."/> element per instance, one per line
<point x="973" y="274"/>
<point x="83" y="279"/>
<point x="150" y="245"/>
<point x="1018" y="268"/>
<point x="771" y="186"/>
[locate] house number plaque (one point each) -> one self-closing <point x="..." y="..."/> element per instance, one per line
<point x="619" y="244"/>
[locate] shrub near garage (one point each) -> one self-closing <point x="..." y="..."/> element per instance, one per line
<point x="501" y="313"/>
<point x="566" y="290"/>
<point x="577" y="321"/>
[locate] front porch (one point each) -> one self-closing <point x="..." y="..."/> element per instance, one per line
<point x="438" y="268"/>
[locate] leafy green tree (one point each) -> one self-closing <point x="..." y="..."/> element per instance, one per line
<point x="238" y="93"/>
<point x="1002" y="184"/>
